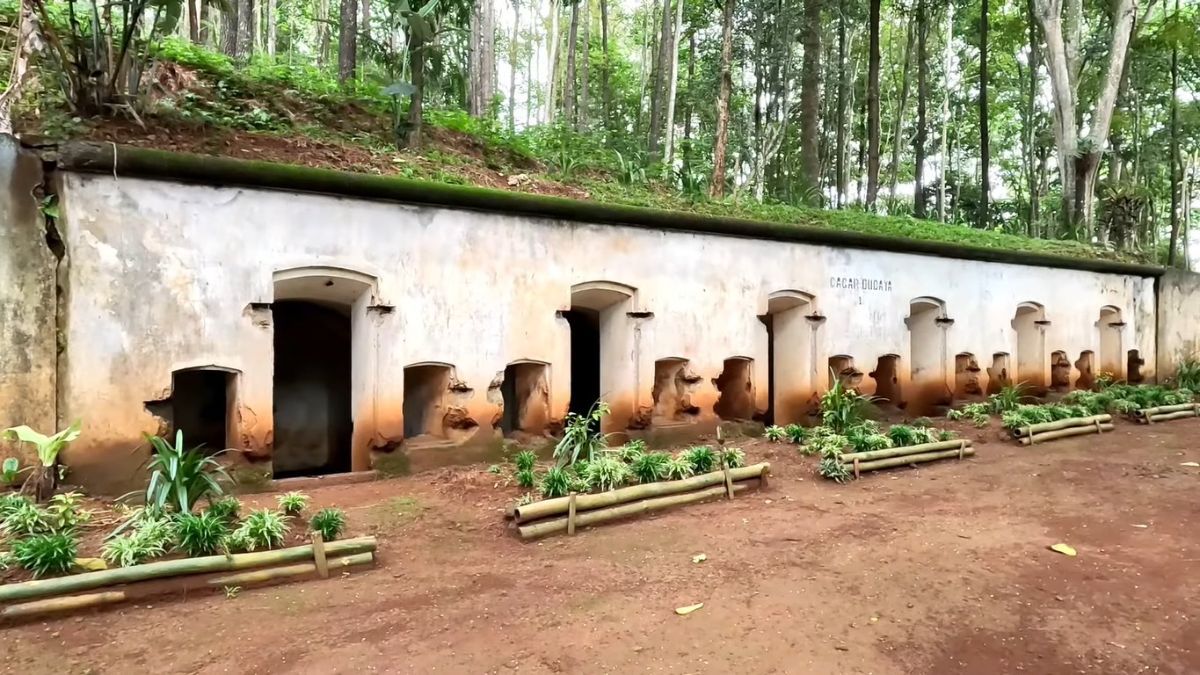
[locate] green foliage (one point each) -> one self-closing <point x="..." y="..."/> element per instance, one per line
<point x="701" y="457"/>
<point x="526" y="478"/>
<point x="329" y="523"/>
<point x="11" y="502"/>
<point x="226" y="508"/>
<point x="734" y="457"/>
<point x="841" y="406"/>
<point x="579" y="440"/>
<point x="796" y="433"/>
<point x="63" y="513"/>
<point x="678" y="468"/>
<point x="200" y="535"/>
<point x="556" y="483"/>
<point x="775" y="433"/>
<point x="47" y="447"/>
<point x="525" y="460"/>
<point x="131" y="549"/>
<point x="825" y="442"/>
<point x="607" y="473"/>
<point x="833" y="469"/>
<point x="1187" y="374"/>
<point x="629" y="171"/>
<point x="632" y="450"/>
<point x="903" y="435"/>
<point x="1008" y="398"/>
<point x="292" y="503"/>
<point x="650" y="467"/>
<point x="264" y="529"/>
<point x="11" y="470"/>
<point x="978" y="414"/>
<point x="45" y="554"/>
<point x="179" y="478"/>
<point x="25" y="519"/>
<point x="866" y="437"/>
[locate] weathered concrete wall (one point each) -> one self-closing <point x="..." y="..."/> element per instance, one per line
<point x="1178" y="320"/>
<point x="165" y="276"/>
<point x="27" y="300"/>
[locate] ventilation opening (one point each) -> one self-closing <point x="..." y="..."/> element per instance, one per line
<point x="425" y="388"/>
<point x="526" y="395"/>
<point x="1087" y="378"/>
<point x="585" y="359"/>
<point x="200" y="406"/>
<point x="887" y="379"/>
<point x="966" y="376"/>
<point x="998" y="374"/>
<point x="313" y="425"/>
<point x="1133" y="367"/>
<point x="842" y="369"/>
<point x="674" y="384"/>
<point x="735" y="400"/>
<point x="1060" y="371"/>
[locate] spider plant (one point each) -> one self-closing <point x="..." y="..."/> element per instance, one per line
<point x="733" y="457"/>
<point x="264" y="529"/>
<point x="678" y="468"/>
<point x="796" y="433"/>
<point x="202" y="534"/>
<point x="329" y="523"/>
<point x="701" y="457"/>
<point x="833" y="469"/>
<point x="556" y="483"/>
<point x="607" y="473"/>
<point x="525" y="460"/>
<point x="774" y="433"/>
<point x="45" y="554"/>
<point x="292" y="503"/>
<point x="580" y="440"/>
<point x="181" y="477"/>
<point x="650" y="467"/>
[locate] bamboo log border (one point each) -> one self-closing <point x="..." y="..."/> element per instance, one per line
<point x="1037" y="429"/>
<point x="1164" y="413"/>
<point x="1084" y="430"/>
<point x="873" y="460"/>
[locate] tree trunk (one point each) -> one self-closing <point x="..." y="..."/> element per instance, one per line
<point x="943" y="153"/>
<point x="666" y="45"/>
<point x="552" y="60"/>
<point x="482" y="66"/>
<point x="810" y="101"/>
<point x="724" y="90"/>
<point x="229" y="30"/>
<point x="569" y="81"/>
<point x="193" y="21"/>
<point x="512" y="66"/>
<point x="365" y="25"/>
<point x="529" y="74"/>
<point x="28" y="42"/>
<point x="1176" y="158"/>
<point x="272" y="21"/>
<point x="672" y="89"/>
<point x="689" y="111"/>
<point x="841" y="122"/>
<point x="348" y="41"/>
<point x="323" y="33"/>
<point x="585" y="36"/>
<point x="245" y="29"/>
<point x="416" y="66"/>
<point x="605" y="90"/>
<point x="922" y="95"/>
<point x="873" y="108"/>
<point x="898" y="114"/>
<point x="1031" y="121"/>
<point x="985" y="153"/>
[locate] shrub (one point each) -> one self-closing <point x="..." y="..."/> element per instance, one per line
<point x="978" y="414"/>
<point x="329" y="523"/>
<point x="237" y="541"/>
<point x="525" y="460"/>
<point x="903" y="435"/>
<point x="45" y="554"/>
<point x="1187" y="375"/>
<point x="179" y="478"/>
<point x="525" y="478"/>
<point x="841" y="406"/>
<point x="556" y="483"/>
<point x="946" y="435"/>
<point x="775" y="433"/>
<point x="11" y="470"/>
<point x="25" y="519"/>
<point x="733" y="457"/>
<point x="63" y="513"/>
<point x="264" y="529"/>
<point x="131" y="549"/>
<point x="10" y="503"/>
<point x="579" y="441"/>
<point x="678" y="468"/>
<point x="1008" y="398"/>
<point x="833" y="469"/>
<point x="292" y="503"/>
<point x="701" y="457"/>
<point x="629" y="452"/>
<point x="796" y="433"/>
<point x="922" y="422"/>
<point x="48" y="448"/>
<point x="607" y="473"/>
<point x="865" y="438"/>
<point x="201" y="535"/>
<point x="825" y="442"/>
<point x="650" y="467"/>
<point x="226" y="508"/>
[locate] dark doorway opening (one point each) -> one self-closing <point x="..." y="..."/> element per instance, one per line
<point x="313" y="426"/>
<point x="585" y="359"/>
<point x="200" y="407"/>
<point x="526" y="398"/>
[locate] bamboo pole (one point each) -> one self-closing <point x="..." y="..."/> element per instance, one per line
<point x="921" y="458"/>
<point x="597" y="516"/>
<point x="41" y="588"/>
<point x="63" y="604"/>
<point x="558" y="505"/>
<point x="288" y="571"/>
<point x="1064" y="433"/>
<point x="1147" y="412"/>
<point x="1035" y="429"/>
<point x="1178" y="415"/>
<point x="885" y="453"/>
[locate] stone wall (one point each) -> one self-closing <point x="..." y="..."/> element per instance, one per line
<point x="1178" y="296"/>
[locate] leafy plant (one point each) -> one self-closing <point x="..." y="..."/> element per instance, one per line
<point x="48" y="448"/>
<point x="45" y="554"/>
<point x="556" y="483"/>
<point x="525" y="460"/>
<point x="63" y="513"/>
<point x="179" y="478"/>
<point x="978" y="414"/>
<point x="701" y="457"/>
<point x="292" y="503"/>
<point x="11" y="470"/>
<point x="1008" y="398"/>
<point x="946" y="435"/>
<point x="629" y="171"/>
<point x="774" y="433"/>
<point x="650" y="467"/>
<point x="25" y="519"/>
<point x="525" y="478"/>
<point x="579" y="441"/>
<point x="825" y="442"/>
<point x="733" y="457"/>
<point x="264" y="529"/>
<point x="329" y="523"/>
<point x="157" y="528"/>
<point x="200" y="535"/>
<point x="1187" y="374"/>
<point x="841" y="406"/>
<point x="833" y="469"/>
<point x="131" y="549"/>
<point x="10" y="503"/>
<point x="903" y="435"/>
<point x="237" y="541"/>
<point x="866" y="437"/>
<point x="678" y="468"/>
<point x="226" y="508"/>
<point x="607" y="473"/>
<point x="796" y="433"/>
<point x="632" y="450"/>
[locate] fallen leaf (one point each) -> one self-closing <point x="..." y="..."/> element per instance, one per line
<point x="1141" y="526"/>
<point x="1190" y="464"/>
<point x="699" y="558"/>
<point x="684" y="611"/>
<point x="91" y="564"/>
<point x="1063" y="549"/>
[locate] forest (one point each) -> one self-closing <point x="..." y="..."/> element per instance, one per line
<point x="1074" y="124"/>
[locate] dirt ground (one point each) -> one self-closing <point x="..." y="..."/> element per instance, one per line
<point x="941" y="569"/>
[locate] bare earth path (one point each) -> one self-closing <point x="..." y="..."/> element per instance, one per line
<point x="942" y="569"/>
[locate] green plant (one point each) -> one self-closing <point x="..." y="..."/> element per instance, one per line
<point x="733" y="457"/>
<point x="237" y="541"/>
<point x="1008" y="398"/>
<point x="179" y="478"/>
<point x="946" y="435"/>
<point x="11" y="470"/>
<point x="774" y="433"/>
<point x="232" y="592"/>
<point x="922" y="422"/>
<point x="978" y="414"/>
<point x="526" y="498"/>
<point x="678" y="468"/>
<point x="495" y="469"/>
<point x="157" y="528"/>
<point x="10" y="503"/>
<point x="25" y="519"/>
<point x="796" y="433"/>
<point x="525" y="478"/>
<point x="1187" y="374"/>
<point x="650" y="467"/>
<point x="866" y="437"/>
<point x="631" y="450"/>
<point x="579" y="440"/>
<point x="903" y="435"/>
<point x="200" y="535"/>
<point x="701" y="457"/>
<point x="48" y="449"/>
<point x="226" y="508"/>
<point x="292" y="503"/>
<point x="63" y="513"/>
<point x="131" y="549"/>
<point x="44" y="554"/>
<point x="833" y="469"/>
<point x="329" y="523"/>
<point x="825" y="442"/>
<point x="525" y="460"/>
<point x="607" y="473"/>
<point x="556" y="483"/>
<point x="264" y="529"/>
<point x="841" y="406"/>
<point x="629" y="171"/>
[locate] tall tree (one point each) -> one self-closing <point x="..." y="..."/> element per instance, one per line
<point x="569" y="81"/>
<point x="672" y="88"/>
<point x="481" y="83"/>
<point x="943" y="152"/>
<point x="1176" y="158"/>
<point x="841" y="123"/>
<point x="716" y="187"/>
<point x="910" y="36"/>
<point x="551" y="60"/>
<point x="513" y="52"/>
<point x="606" y="69"/>
<point x="585" y="37"/>
<point x="922" y="122"/>
<point x="810" y="101"/>
<point x="985" y="150"/>
<point x="347" y="40"/>
<point x="1031" y="115"/>
<point x="873" y="107"/>
<point x="661" y="68"/>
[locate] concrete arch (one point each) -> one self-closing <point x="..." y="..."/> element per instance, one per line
<point x="605" y="351"/>
<point x="791" y="354"/>
<point x="927" y="353"/>
<point x="525" y="396"/>
<point x="599" y="295"/>
<point x="1029" y="323"/>
<point x="1111" y="327"/>
<point x="324" y="284"/>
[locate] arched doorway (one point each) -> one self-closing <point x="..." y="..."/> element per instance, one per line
<point x="1029" y="323"/>
<point x="791" y="322"/>
<point x="1111" y="326"/>
<point x="603" y="361"/>
<point x="927" y="323"/>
